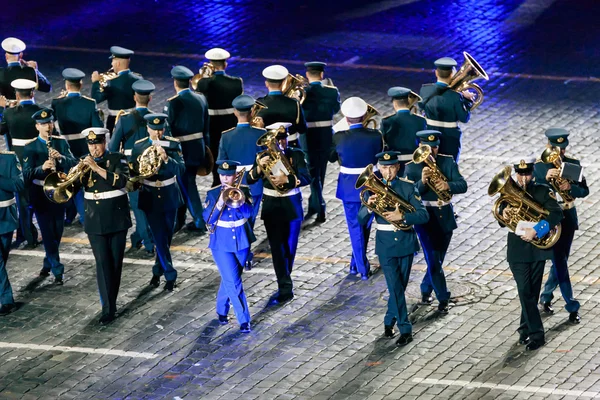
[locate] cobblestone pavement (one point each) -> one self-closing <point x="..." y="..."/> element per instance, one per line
<point x="326" y="343"/>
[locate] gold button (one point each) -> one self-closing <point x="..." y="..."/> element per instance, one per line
<point x="396" y="239"/>
<point x="159" y="196"/>
<point x="96" y="191"/>
<point x="97" y="202"/>
<point x="234" y="237"/>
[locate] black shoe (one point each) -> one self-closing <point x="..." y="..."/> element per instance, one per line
<point x="223" y="319"/>
<point x="365" y="277"/>
<point x="68" y="222"/>
<point x="245" y="327"/>
<point x="198" y="230"/>
<point x="309" y="214"/>
<point x="135" y="242"/>
<point x="535" y="344"/>
<point x="6" y="309"/>
<point x="443" y="308"/>
<point x="170" y="285"/>
<point x="148" y="253"/>
<point x="58" y="280"/>
<point x="574" y="317"/>
<point x="155" y="281"/>
<point x="388" y="331"/>
<point x="524" y="340"/>
<point x="281" y="298"/>
<point x="44" y="273"/>
<point x="31" y="246"/>
<point x="426" y="299"/>
<point x="107" y="319"/>
<point x="321" y="218"/>
<point x="404" y="339"/>
<point x="17" y="243"/>
<point x="547" y="307"/>
<point x="353" y="270"/>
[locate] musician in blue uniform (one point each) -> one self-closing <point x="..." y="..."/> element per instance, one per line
<point x="436" y="234"/>
<point x="354" y="149"/>
<point x="118" y="92"/>
<point x="160" y="196"/>
<point x="559" y="273"/>
<point x="444" y="108"/>
<point x="131" y="127"/>
<point x="322" y="102"/>
<point x="107" y="216"/>
<point x="400" y="129"/>
<point x="189" y="123"/>
<point x="230" y="240"/>
<point x="11" y="182"/>
<point x="74" y="113"/>
<point x="17" y="68"/>
<point x="395" y="248"/>
<point x="41" y="157"/>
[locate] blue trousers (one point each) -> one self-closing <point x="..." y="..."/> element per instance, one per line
<point x="52" y="224"/>
<point x="161" y="225"/>
<point x="27" y="230"/>
<point x="6" y="293"/>
<point x="142" y="231"/>
<point x="397" y="273"/>
<point x="76" y="206"/>
<point x="191" y="197"/>
<point x="359" y="237"/>
<point x="231" y="290"/>
<point x="283" y="240"/>
<point x="559" y="272"/>
<point x="317" y="168"/>
<point x="435" y="245"/>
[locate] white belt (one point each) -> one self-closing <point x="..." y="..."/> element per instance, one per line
<point x="192" y="136"/>
<point x="222" y="111"/>
<point x="275" y="193"/>
<point x="567" y="206"/>
<point x="20" y="142"/>
<point x="127" y="152"/>
<point x="248" y="167"/>
<point x="355" y="171"/>
<point x="74" y="136"/>
<point x="38" y="182"/>
<point x="319" y="124"/>
<point x="231" y="224"/>
<point x="168" y="182"/>
<point x="441" y="124"/>
<point x="386" y="227"/>
<point x="435" y="203"/>
<point x="7" y="203"/>
<point x="293" y="136"/>
<point x="104" y="195"/>
<point x="115" y="112"/>
<point x="405" y="157"/>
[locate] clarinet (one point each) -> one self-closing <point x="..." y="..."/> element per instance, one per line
<point x="49" y="146"/>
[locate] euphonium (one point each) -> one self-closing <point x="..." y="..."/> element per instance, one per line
<point x="552" y="156"/>
<point x="232" y="196"/>
<point x="207" y="70"/>
<point x="278" y="157"/>
<point x="387" y="198"/>
<point x="149" y="163"/>
<point x="294" y="86"/>
<point x="60" y="187"/>
<point x="522" y="207"/>
<point x="255" y="120"/>
<point x="105" y="77"/>
<point x="413" y="99"/>
<point x="469" y="72"/>
<point x="423" y="154"/>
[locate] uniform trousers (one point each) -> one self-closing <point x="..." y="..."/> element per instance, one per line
<point x="26" y="230"/>
<point x="255" y="209"/>
<point x="161" y="225"/>
<point x="110" y="123"/>
<point x="397" y="272"/>
<point x="142" y="231"/>
<point x="108" y="250"/>
<point x="359" y="237"/>
<point x="191" y="197"/>
<point x="529" y="284"/>
<point x="317" y="168"/>
<point x="6" y="293"/>
<point x="435" y="245"/>
<point x="52" y="224"/>
<point x="76" y="206"/>
<point x="283" y="240"/>
<point x="231" y="290"/>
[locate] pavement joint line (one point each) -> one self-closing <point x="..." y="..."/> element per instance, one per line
<point x="86" y="350"/>
<point x="508" y="388"/>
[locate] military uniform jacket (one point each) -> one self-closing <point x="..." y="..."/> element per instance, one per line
<point x="15" y="70"/>
<point x="18" y="126"/>
<point x="284" y="208"/>
<point x="74" y="113"/>
<point x="520" y="251"/>
<point x="446" y="107"/>
<point x="34" y="156"/>
<point x="11" y="181"/>
<point x="232" y="231"/>
<point x="220" y="89"/>
<point x="283" y="109"/>
<point x="239" y="144"/>
<point x="104" y="213"/>
<point x="400" y="132"/>
<point x="160" y="192"/>
<point x="189" y="123"/>
<point x="578" y="190"/>
<point x="130" y="128"/>
<point x="440" y="218"/>
<point x="321" y="104"/>
<point x="355" y="149"/>
<point x="118" y="93"/>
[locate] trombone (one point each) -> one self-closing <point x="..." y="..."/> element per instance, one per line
<point x="233" y="197"/>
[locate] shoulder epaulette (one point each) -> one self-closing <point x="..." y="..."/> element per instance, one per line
<point x="7" y="152"/>
<point x="31" y="141"/>
<point x="445" y="155"/>
<point x="538" y="161"/>
<point x="58" y="137"/>
<point x="136" y="74"/>
<point x="230" y="129"/>
<point x="406" y="179"/>
<point x="259" y="128"/>
<point x="174" y="97"/>
<point x="214" y="187"/>
<point x="330" y="86"/>
<point x="141" y="140"/>
<point x="571" y="157"/>
<point x="388" y="116"/>
<point x="417" y="115"/>
<point x="171" y="138"/>
<point x="410" y="162"/>
<point x="88" y="98"/>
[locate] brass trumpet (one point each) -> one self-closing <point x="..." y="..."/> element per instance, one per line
<point x="423" y="154"/>
<point x="232" y="196"/>
<point x="207" y="70"/>
<point x="552" y="156"/>
<point x="105" y="77"/>
<point x="469" y="72"/>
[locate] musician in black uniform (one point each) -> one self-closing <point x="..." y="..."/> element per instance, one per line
<point x="107" y="216"/>
<point x="281" y="108"/>
<point x="527" y="261"/>
<point x="400" y="129"/>
<point x="118" y="92"/>
<point x="41" y="156"/>
<point x="282" y="212"/>
<point x="321" y="104"/>
<point x="74" y="113"/>
<point x="220" y="89"/>
<point x="19" y="129"/>
<point x="17" y="68"/>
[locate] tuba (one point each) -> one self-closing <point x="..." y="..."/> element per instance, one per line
<point x="105" y="77"/>
<point x="232" y="196"/>
<point x="552" y="156"/>
<point x="279" y="163"/>
<point x="149" y="163"/>
<point x="60" y="187"/>
<point x="423" y="154"/>
<point x="206" y="71"/>
<point x="469" y="72"/>
<point x="387" y="199"/>
<point x="295" y="86"/>
<point x="522" y="207"/>
<point x="342" y="124"/>
<point x="255" y="120"/>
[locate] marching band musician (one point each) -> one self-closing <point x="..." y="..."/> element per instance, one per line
<point x="107" y="216"/>
<point x="527" y="261"/>
<point x="445" y="108"/>
<point x="131" y="127"/>
<point x="400" y="129"/>
<point x="189" y="122"/>
<point x="17" y="68"/>
<point x="160" y="196"/>
<point x="11" y="182"/>
<point x="282" y="212"/>
<point x="436" y="234"/>
<point x="281" y="108"/>
<point x="220" y="89"/>
<point x="42" y="156"/>
<point x="74" y="113"/>
<point x="321" y="104"/>
<point x="559" y="273"/>
<point x="355" y="149"/>
<point x="118" y="92"/>
<point x="230" y="244"/>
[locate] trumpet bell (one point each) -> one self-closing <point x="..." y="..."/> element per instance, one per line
<point x="55" y="190"/>
<point x="421" y="154"/>
<point x="234" y="197"/>
<point x="549" y="155"/>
